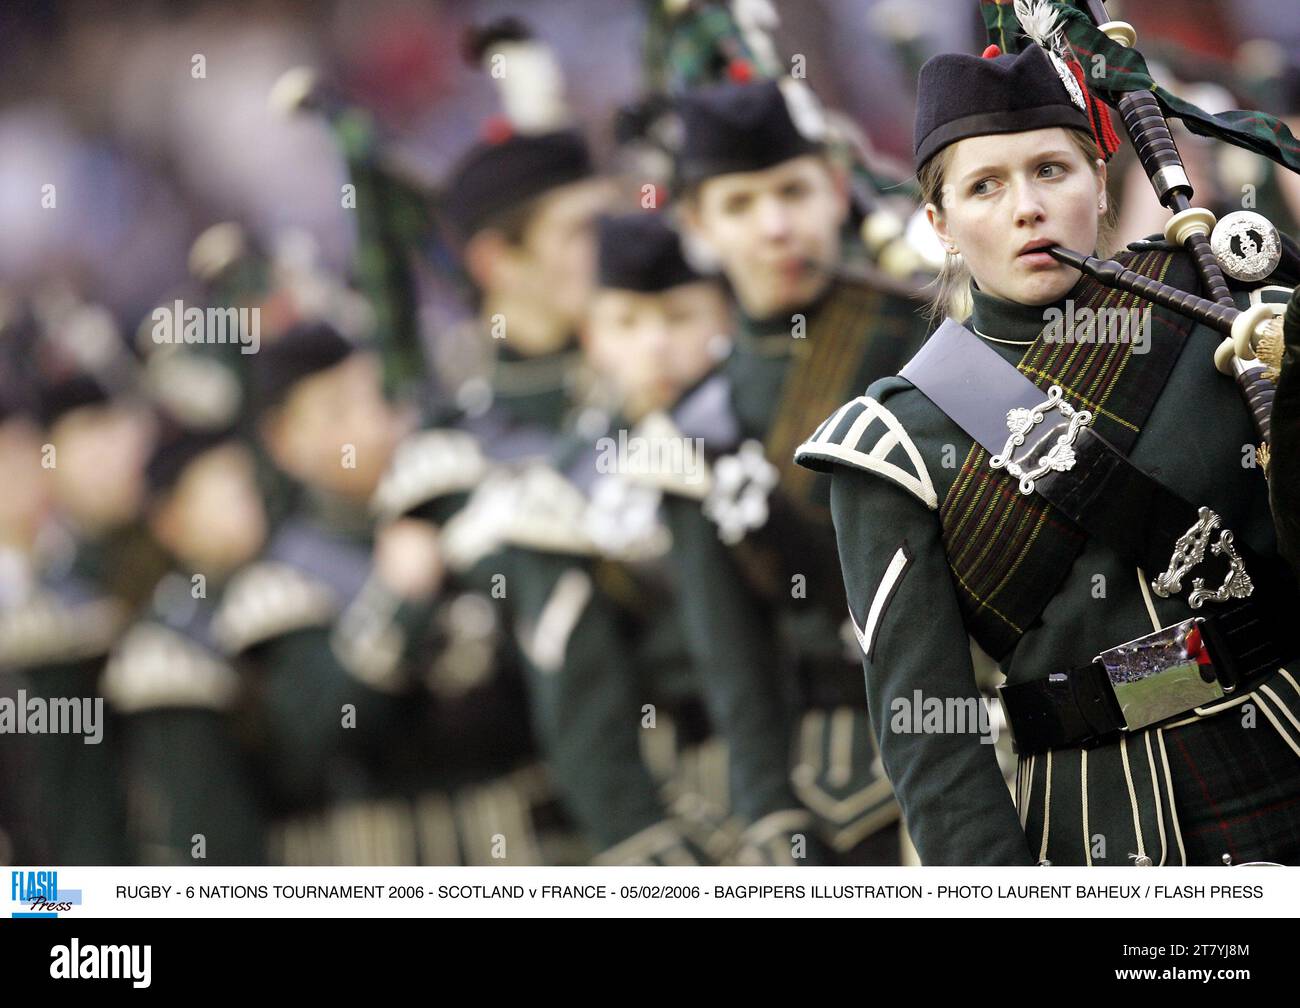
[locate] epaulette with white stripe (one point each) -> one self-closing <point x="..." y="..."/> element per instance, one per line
<point x="427" y="465"/>
<point x="267" y="600"/>
<point x="862" y="434"/>
<point x="156" y="667"/>
<point x="532" y="507"/>
<point x="44" y="629"/>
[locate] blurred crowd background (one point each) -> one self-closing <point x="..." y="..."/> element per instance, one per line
<point x="99" y="100"/>
<point x="156" y="152"/>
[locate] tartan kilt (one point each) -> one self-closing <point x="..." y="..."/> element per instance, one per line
<point x="1236" y="790"/>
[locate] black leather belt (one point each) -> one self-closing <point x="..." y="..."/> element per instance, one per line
<point x="1146" y="681"/>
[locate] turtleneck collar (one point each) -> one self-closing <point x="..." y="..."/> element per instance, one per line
<point x="349" y="518"/>
<point x="1009" y="322"/>
<point x="775" y="329"/>
<point x="535" y="389"/>
<point x="771" y="325"/>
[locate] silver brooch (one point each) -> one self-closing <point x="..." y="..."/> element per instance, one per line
<point x="1246" y="245"/>
<point x="1058" y="458"/>
<point x="737" y="501"/>
<point x="1068" y="79"/>
<point x="1189" y="551"/>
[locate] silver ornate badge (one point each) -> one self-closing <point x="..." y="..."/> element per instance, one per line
<point x="1189" y="551"/>
<point x="1058" y="458"/>
<point x="1247" y="245"/>
<point x="737" y="502"/>
<point x="1068" y="79"/>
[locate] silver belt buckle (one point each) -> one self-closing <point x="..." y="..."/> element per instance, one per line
<point x="1058" y="458"/>
<point x="1158" y="676"/>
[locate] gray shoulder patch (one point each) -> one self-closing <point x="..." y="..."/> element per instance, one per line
<point x="862" y="434"/>
<point x="46" y="629"/>
<point x="154" y="667"/>
<point x="267" y="600"/>
<point x="531" y="507"/>
<point x="706" y="413"/>
<point x="427" y="465"/>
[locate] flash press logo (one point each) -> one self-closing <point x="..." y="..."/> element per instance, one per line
<point x="37" y="894"/>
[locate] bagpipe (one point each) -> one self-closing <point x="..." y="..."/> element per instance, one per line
<point x="395" y="207"/>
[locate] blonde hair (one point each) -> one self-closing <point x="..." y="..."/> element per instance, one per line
<point x="951" y="287"/>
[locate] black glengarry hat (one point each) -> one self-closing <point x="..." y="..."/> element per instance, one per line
<point x="496" y="176"/>
<point x="64" y="395"/>
<point x="960" y="96"/>
<point x="176" y="449"/>
<point x="304" y="350"/>
<point x="640" y="252"/>
<point x="737" y="128"/>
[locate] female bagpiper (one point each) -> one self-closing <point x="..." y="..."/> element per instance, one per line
<point x="1066" y="481"/>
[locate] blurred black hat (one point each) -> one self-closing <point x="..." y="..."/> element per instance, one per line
<point x="497" y="176"/>
<point x="176" y="449"/>
<point x="61" y="396"/>
<point x="737" y="128"/>
<point x="641" y="252"/>
<point x="303" y="350"/>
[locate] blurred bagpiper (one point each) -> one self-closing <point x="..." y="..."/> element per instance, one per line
<point x="759" y="194"/>
<point x="656" y="330"/>
<point x="194" y="799"/>
<point x="79" y="431"/>
<point x="520" y="207"/>
<point x="336" y="628"/>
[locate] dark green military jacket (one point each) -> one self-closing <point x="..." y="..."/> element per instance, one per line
<point x="69" y="805"/>
<point x="908" y="523"/>
<point x="192" y="795"/>
<point x="692" y="647"/>
<point x="333" y="719"/>
<point x="54" y="639"/>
